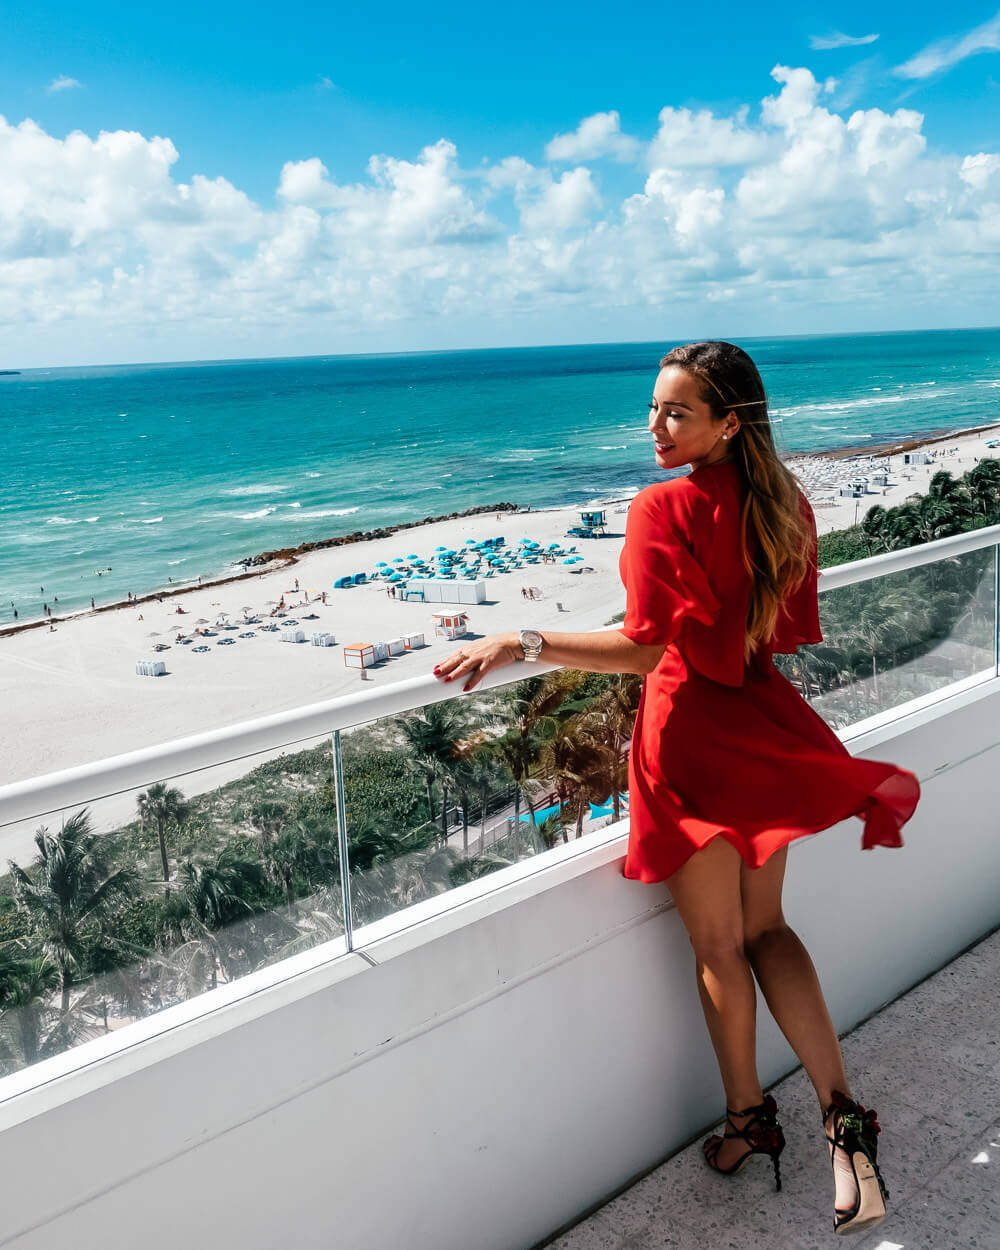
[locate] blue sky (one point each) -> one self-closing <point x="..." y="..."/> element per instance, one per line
<point x="242" y="92"/>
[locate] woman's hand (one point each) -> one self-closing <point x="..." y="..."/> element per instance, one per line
<point x="473" y="660"/>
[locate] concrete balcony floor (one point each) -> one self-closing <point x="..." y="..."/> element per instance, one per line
<point x="930" y="1064"/>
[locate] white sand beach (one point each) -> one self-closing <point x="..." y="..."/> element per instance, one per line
<point x="72" y="695"/>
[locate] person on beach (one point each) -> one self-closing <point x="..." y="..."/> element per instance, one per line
<point x="728" y="763"/>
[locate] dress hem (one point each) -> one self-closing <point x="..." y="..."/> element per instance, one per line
<point x="887" y="808"/>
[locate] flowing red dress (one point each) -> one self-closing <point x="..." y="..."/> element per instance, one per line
<point x="719" y="747"/>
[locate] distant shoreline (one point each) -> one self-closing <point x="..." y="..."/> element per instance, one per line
<point x="265" y="562"/>
<point x="895" y="448"/>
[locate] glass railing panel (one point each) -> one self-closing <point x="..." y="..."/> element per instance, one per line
<point x="899" y="637"/>
<point x="453" y="791"/>
<point x="140" y="900"/>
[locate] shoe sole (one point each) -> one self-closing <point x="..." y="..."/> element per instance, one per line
<point x="871" y="1204"/>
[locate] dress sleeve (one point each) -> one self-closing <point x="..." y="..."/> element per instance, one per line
<point x="663" y="581"/>
<point x="798" y="622"/>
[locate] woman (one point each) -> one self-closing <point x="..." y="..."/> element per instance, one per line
<point x="728" y="762"/>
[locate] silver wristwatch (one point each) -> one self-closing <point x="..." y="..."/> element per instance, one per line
<point x="531" y="643"/>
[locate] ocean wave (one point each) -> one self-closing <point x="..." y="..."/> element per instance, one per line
<point x="155" y="520"/>
<point x="262" y="489"/>
<point x="844" y="406"/>
<point x="180" y="561"/>
<point x="314" y="475"/>
<point x="61" y="520"/>
<point x="310" y="516"/>
<point x="293" y="505"/>
<point x="91" y="519"/>
<point x="254" y="516"/>
<point x="618" y="447"/>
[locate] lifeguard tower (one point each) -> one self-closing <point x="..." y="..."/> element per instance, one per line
<point x="450" y="624"/>
<point x="591" y="525"/>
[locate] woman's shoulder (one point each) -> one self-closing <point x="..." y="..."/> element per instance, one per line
<point x="681" y="501"/>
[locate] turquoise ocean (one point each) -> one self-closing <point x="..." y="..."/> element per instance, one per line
<point x="175" y="471"/>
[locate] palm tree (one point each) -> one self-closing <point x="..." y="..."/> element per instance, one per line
<point x="464" y="778"/>
<point x="11" y="967"/>
<point x="211" y="896"/>
<point x="578" y="769"/>
<point x="30" y="1029"/>
<point x="288" y="856"/>
<point x="72" y="896"/>
<point x="982" y="485"/>
<point x="873" y="526"/>
<point x="162" y="806"/>
<point x="477" y="768"/>
<point x="517" y="754"/>
<point x="216" y="894"/>
<point x="942" y="484"/>
<point x="268" y="817"/>
<point x="941" y="514"/>
<point x="431" y="734"/>
<point x="902" y="529"/>
<point x="872" y="627"/>
<point x="608" y="721"/>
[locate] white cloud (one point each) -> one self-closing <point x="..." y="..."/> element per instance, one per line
<point x="685" y="138"/>
<point x="563" y="205"/>
<point x="979" y="170"/>
<point x="306" y="182"/>
<point x="62" y="83"/>
<point x="514" y="171"/>
<point x="947" y="52"/>
<point x="801" y="208"/>
<point x="822" y="43"/>
<point x="596" y="136"/>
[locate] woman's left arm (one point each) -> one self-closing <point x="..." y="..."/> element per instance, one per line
<point x="604" y="651"/>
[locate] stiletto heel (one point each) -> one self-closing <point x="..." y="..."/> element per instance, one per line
<point x="762" y="1133"/>
<point x="855" y="1131"/>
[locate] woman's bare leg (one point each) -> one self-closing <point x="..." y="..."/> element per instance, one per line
<point x="789" y="983"/>
<point x="787" y="978"/>
<point x="708" y="897"/>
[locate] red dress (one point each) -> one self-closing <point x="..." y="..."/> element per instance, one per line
<point x="719" y="747"/>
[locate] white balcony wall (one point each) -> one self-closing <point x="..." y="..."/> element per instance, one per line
<point x="493" y="1071"/>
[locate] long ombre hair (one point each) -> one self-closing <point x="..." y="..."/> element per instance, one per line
<point x="773" y="503"/>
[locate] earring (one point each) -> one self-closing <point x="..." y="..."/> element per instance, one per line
<point x="725" y="436"/>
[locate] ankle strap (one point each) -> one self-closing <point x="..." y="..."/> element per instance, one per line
<point x="766" y="1108"/>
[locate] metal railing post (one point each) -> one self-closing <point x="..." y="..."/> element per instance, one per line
<point x="345" y="867"/>
<point x="996" y="610"/>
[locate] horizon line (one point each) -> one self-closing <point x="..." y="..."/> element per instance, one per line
<point x="455" y="351"/>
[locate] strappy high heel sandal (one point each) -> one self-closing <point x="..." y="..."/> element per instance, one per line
<point x="855" y="1131"/>
<point x="762" y="1134"/>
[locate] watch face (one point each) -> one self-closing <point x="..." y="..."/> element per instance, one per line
<point x="531" y="638"/>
